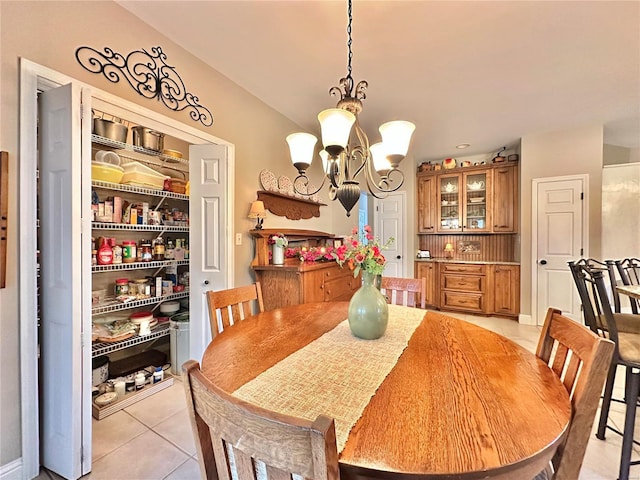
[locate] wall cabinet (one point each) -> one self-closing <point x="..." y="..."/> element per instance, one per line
<point x="480" y="199"/>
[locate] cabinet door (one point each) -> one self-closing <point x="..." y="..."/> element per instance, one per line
<point x="506" y="289"/>
<point x="449" y="204"/>
<point x="476" y="201"/>
<point x="427" y="204"/>
<point x="505" y="199"/>
<point x="427" y="271"/>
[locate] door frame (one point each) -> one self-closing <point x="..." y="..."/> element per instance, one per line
<point x="376" y="219"/>
<point x="534" y="231"/>
<point x="35" y="77"/>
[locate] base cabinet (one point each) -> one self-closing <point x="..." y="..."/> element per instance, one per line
<point x="480" y="288"/>
<point x="305" y="283"/>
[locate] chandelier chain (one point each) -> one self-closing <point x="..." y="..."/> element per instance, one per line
<point x="349" y="42"/>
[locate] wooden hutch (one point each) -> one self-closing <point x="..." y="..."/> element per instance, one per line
<point x="298" y="282"/>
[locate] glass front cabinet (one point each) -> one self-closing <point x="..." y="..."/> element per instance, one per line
<point x="464" y="202"/>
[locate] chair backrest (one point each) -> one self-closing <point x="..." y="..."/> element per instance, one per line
<point x="233" y="434"/>
<point x="404" y="291"/>
<point x="629" y="271"/>
<point x="581" y="359"/>
<point x="233" y="305"/>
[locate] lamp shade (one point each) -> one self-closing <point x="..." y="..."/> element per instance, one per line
<point x="380" y="161"/>
<point x="301" y="147"/>
<point x="448" y="247"/>
<point x="335" y="124"/>
<point x="396" y="136"/>
<point x="257" y="210"/>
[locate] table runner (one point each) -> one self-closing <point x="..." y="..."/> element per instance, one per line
<point x="335" y="375"/>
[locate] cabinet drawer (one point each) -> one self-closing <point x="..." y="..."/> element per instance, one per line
<point x="465" y="283"/>
<point x="462" y="301"/>
<point x="470" y="268"/>
<point x="338" y="289"/>
<point x="336" y="272"/>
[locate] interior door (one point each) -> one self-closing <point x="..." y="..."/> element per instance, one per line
<point x="559" y="240"/>
<point x="390" y="223"/>
<point x="65" y="343"/>
<point x="208" y="175"/>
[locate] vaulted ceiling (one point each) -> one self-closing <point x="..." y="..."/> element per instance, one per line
<point x="483" y="73"/>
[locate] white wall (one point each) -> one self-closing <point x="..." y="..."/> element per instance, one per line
<point x="550" y="154"/>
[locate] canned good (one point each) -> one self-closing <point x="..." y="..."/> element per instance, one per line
<point x="129" y="251"/>
<point x="122" y="286"/>
<point x="145" y="253"/>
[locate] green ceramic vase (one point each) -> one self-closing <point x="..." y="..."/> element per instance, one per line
<point x="368" y="309"/>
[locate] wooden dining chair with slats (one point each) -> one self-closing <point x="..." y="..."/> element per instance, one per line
<point x="409" y="292"/>
<point x="227" y="307"/>
<point x="233" y="435"/>
<point x="581" y="359"/>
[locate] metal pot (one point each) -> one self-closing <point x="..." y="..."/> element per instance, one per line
<point x="148" y="139"/>
<point x="110" y="129"/>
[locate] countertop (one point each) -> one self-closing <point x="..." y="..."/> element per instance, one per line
<point x="447" y="260"/>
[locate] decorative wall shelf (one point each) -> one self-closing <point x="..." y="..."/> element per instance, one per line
<point x="291" y="207"/>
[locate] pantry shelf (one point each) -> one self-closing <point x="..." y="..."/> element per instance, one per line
<point x="133" y="189"/>
<point x="132" y="148"/>
<point x="137" y="265"/>
<point x="116" y="306"/>
<point x="102" y="348"/>
<point x="139" y="228"/>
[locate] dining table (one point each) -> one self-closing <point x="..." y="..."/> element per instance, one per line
<point x="629" y="290"/>
<point x="435" y="397"/>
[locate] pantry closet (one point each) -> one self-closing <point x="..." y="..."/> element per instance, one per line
<point x="68" y="283"/>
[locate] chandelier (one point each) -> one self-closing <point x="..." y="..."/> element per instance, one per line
<point x="342" y="162"/>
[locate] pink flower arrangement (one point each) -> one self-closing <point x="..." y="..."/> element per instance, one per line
<point x="365" y="254"/>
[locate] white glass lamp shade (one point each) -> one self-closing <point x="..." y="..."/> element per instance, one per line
<point x="325" y="161"/>
<point x="301" y="147"/>
<point x="380" y="161"/>
<point x="396" y="136"/>
<point x="335" y="124"/>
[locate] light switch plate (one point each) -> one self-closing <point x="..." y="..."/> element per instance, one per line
<point x="238" y="239"/>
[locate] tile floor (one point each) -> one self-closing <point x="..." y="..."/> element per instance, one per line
<point x="152" y="439"/>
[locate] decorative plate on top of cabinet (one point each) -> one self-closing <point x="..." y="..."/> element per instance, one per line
<point x="268" y="180"/>
<point x="285" y="185"/>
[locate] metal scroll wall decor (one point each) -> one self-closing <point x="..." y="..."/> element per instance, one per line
<point x="149" y="75"/>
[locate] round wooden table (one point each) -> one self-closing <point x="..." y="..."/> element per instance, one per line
<point x="461" y="402"/>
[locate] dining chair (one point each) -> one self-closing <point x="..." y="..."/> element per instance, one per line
<point x="230" y="306"/>
<point x="235" y="436"/>
<point x="581" y="360"/>
<point x="601" y="319"/>
<point x="409" y="292"/>
<point x="629" y="271"/>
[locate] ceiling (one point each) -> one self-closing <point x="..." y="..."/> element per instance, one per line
<point x="483" y="73"/>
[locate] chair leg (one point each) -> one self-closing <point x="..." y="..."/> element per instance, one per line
<point x="629" y="423"/>
<point x="606" y="401"/>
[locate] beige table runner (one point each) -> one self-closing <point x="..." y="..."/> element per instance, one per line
<point x="335" y="375"/>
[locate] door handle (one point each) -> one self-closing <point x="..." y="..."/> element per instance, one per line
<point x="543" y="262"/>
<point x="206" y="282"/>
<point x="399" y="257"/>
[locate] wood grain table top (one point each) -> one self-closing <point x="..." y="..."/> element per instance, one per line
<point x="461" y="402"/>
<point x="630" y="290"/>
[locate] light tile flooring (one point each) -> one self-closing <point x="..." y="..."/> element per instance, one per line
<point x="152" y="439"/>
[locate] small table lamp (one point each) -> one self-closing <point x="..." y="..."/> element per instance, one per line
<point x="257" y="211"/>
<point x="448" y="250"/>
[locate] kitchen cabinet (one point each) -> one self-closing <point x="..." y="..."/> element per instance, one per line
<point x="505" y="199"/>
<point x="506" y="289"/>
<point x="428" y="271"/>
<point x="427" y="204"/>
<point x="468" y="200"/>
<point x="464" y="202"/>
<point x="463" y="287"/>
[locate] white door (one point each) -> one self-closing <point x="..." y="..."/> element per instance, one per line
<point x="208" y="248"/>
<point x="65" y="308"/>
<point x="559" y="237"/>
<point x="389" y="222"/>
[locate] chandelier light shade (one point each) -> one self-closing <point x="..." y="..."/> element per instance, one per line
<point x="344" y="158"/>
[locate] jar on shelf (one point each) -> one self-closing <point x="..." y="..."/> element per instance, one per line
<point x="129" y="251"/>
<point x="117" y="253"/>
<point x="169" y="251"/>
<point x="145" y="253"/>
<point x="158" y="249"/>
<point x="122" y="286"/>
<point x="141" y="286"/>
